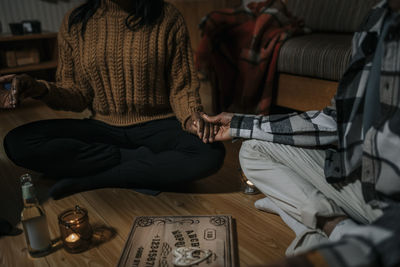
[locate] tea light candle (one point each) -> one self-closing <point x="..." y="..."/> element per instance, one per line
<point x="248" y="187"/>
<point x="249" y="183"/>
<point x="76" y="232"/>
<point x="72" y="238"/>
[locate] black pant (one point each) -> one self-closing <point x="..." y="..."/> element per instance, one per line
<point x="89" y="154"/>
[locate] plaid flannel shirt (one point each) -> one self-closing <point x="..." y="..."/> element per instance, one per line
<point x="377" y="154"/>
<point x="374" y="156"/>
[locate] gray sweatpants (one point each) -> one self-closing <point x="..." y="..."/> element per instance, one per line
<point x="294" y="179"/>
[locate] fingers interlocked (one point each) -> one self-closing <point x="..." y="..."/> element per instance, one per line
<point x="205" y="130"/>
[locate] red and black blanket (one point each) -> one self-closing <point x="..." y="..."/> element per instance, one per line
<point x="239" y="51"/>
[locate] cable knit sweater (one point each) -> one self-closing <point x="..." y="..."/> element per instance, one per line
<point x="126" y="77"/>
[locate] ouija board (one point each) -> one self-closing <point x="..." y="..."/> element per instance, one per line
<point x="153" y="239"/>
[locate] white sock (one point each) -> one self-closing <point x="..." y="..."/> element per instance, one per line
<point x="268" y="205"/>
<point x="342" y="228"/>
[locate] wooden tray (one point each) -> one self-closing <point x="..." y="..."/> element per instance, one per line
<point x="153" y="238"/>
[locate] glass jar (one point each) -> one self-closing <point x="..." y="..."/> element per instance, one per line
<point x="76" y="231"/>
<point x="247" y="187"/>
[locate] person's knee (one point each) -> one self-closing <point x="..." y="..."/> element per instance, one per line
<point x="212" y="157"/>
<point x="14" y="146"/>
<point x="216" y="156"/>
<point x="245" y="150"/>
<point x="250" y="151"/>
<point x="253" y="156"/>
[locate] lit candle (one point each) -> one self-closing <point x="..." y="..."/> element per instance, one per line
<point x="72" y="238"/>
<point x="75" y="229"/>
<point x="250" y="188"/>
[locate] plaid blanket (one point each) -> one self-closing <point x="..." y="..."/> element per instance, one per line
<point x="239" y="51"/>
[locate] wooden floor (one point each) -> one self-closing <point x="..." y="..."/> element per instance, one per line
<point x="262" y="237"/>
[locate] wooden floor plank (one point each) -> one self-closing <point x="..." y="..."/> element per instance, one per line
<point x="96" y="256"/>
<point x="262" y="237"/>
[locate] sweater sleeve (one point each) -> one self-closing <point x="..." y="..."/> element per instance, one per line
<point x="182" y="76"/>
<point x="70" y="92"/>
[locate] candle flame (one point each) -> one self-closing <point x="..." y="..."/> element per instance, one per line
<point x="72" y="238"/>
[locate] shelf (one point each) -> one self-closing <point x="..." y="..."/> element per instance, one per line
<point x="27" y="68"/>
<point x="27" y="37"/>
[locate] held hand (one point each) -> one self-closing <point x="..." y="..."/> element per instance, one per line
<point x="22" y="86"/>
<point x="223" y="122"/>
<point x="8" y="95"/>
<point x="204" y="130"/>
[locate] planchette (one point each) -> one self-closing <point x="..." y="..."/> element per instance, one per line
<point x="185" y="256"/>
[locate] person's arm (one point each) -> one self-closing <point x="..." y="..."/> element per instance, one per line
<point x="312" y="128"/>
<point x="182" y="76"/>
<point x="70" y="91"/>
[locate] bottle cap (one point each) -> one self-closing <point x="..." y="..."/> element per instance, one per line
<point x="26" y="178"/>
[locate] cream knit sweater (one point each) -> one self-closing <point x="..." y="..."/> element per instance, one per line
<point x="126" y="77"/>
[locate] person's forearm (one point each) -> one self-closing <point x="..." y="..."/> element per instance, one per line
<point x="290" y="129"/>
<point x="61" y="98"/>
<point x="40" y="91"/>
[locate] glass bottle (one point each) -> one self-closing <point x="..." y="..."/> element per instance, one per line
<point x="34" y="220"/>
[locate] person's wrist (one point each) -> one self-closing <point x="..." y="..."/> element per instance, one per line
<point x="188" y="123"/>
<point x="40" y="90"/>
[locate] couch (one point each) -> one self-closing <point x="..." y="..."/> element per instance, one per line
<point x="311" y="65"/>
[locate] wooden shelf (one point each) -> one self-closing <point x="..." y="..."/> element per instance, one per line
<point x="27" y="68"/>
<point x="27" y="37"/>
<point x="41" y="47"/>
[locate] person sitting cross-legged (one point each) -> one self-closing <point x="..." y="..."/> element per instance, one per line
<point x="328" y="173"/>
<point x="130" y="63"/>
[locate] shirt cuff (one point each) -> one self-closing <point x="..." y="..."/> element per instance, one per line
<point x="242" y="126"/>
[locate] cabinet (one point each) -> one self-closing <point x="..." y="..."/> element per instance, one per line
<point x="45" y="44"/>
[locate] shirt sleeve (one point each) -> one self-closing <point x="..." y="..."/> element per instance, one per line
<point x="384" y="157"/>
<point x="182" y="76"/>
<point x="70" y="91"/>
<point x="371" y="245"/>
<point x="312" y="128"/>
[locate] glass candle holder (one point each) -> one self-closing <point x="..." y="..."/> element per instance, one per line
<point x="248" y="187"/>
<point x="76" y="232"/>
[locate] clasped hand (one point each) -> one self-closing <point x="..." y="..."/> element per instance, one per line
<point x="210" y="128"/>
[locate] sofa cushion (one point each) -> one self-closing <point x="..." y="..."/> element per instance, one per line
<point x="324" y="56"/>
<point x="331" y="15"/>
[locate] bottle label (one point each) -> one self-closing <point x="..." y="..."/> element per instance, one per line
<point x="37" y="233"/>
<point x="28" y="191"/>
